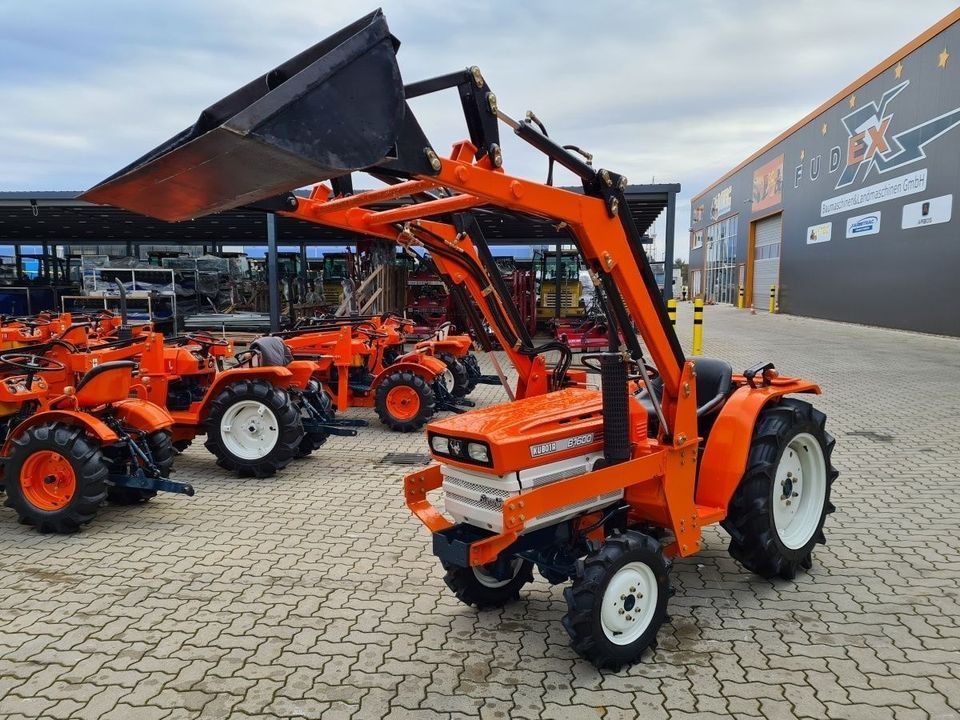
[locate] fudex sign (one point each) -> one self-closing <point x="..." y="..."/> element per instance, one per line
<point x="868" y="224"/>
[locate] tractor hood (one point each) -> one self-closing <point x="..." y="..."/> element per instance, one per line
<point x="532" y="431"/>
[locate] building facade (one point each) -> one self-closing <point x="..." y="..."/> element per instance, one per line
<point x="848" y="215"/>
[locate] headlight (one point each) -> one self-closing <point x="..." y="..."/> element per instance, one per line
<point x="440" y="444"/>
<point x="478" y="452"/>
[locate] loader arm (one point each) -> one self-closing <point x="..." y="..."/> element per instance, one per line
<point x="303" y="123"/>
<point x="458" y="262"/>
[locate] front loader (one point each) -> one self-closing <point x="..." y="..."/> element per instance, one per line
<point x="600" y="488"/>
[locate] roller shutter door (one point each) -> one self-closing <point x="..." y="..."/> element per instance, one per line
<point x="766" y="259"/>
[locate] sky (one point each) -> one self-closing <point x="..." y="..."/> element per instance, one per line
<point x="659" y="91"/>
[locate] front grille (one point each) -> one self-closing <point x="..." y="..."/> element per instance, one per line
<point x="454" y="483"/>
<point x="483" y="503"/>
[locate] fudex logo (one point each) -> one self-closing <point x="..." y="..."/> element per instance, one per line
<point x="870" y="146"/>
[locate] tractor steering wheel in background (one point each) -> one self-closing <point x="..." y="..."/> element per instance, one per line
<point x="31" y="364"/>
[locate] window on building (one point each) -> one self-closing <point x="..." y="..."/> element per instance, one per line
<point x="722" y="275"/>
<point x="698" y="239"/>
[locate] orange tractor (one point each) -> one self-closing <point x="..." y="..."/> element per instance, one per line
<point x="257" y="416"/>
<point x="67" y="447"/>
<point x="364" y="364"/>
<point x="603" y="488"/>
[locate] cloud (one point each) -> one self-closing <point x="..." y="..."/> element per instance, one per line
<point x="679" y="92"/>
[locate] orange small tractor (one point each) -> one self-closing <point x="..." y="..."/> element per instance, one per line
<point x="602" y="488"/>
<point x="67" y="448"/>
<point x="257" y="416"/>
<point x="350" y="356"/>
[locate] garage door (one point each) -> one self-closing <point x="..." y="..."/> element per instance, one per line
<point x="766" y="259"/>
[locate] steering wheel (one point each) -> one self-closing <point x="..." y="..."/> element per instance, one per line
<point x="31" y="364"/>
<point x="207" y="340"/>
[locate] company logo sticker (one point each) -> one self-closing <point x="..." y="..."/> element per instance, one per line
<point x="868" y="224"/>
<point x="927" y="212"/>
<point x="560" y="445"/>
<point x="868" y="144"/>
<point x="819" y="233"/>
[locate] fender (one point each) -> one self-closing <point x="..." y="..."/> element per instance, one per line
<point x="728" y="446"/>
<point x="143" y="414"/>
<point x="421" y="370"/>
<point x="92" y="424"/>
<point x="303" y="371"/>
<point x="277" y="376"/>
<point x="457" y="345"/>
<point x="428" y="362"/>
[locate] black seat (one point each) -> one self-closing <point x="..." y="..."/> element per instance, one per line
<point x="273" y="351"/>
<point x="93" y="372"/>
<point x="714" y="384"/>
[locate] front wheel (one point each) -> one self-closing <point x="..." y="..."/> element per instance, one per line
<point x="253" y="428"/>
<point x="460" y="386"/>
<point x="777" y="514"/>
<point x="404" y="402"/>
<point x="55" y="478"/>
<point x="618" y="600"/>
<point x="480" y="587"/>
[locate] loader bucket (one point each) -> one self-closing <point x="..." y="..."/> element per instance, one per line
<point x="334" y="108"/>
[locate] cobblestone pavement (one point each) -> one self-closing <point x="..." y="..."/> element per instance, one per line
<point x="314" y="594"/>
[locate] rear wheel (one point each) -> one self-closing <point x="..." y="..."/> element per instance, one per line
<point x="461" y="378"/>
<point x="160" y="445"/>
<point x="618" y="600"/>
<point x="404" y="402"/>
<point x="480" y="587"/>
<point x="253" y="428"/>
<point x="55" y="478"/>
<point x="777" y="514"/>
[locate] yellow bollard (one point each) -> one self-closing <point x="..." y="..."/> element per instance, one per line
<point x="672" y="311"/>
<point x="773" y="299"/>
<point x="698" y="326"/>
<point x="740" y="299"/>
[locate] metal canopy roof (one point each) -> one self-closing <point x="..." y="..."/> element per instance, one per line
<point x="59" y="218"/>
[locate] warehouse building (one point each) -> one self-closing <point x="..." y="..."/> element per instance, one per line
<point x="848" y="215"/>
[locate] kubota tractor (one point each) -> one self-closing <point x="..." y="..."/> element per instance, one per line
<point x="604" y="488"/>
<point x="350" y="359"/>
<point x="66" y="450"/>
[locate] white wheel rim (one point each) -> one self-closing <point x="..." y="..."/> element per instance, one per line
<point x="491" y="581"/>
<point x="448" y="380"/>
<point x="799" y="491"/>
<point x="249" y="430"/>
<point x="629" y="603"/>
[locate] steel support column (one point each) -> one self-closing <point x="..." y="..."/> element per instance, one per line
<point x="668" y="246"/>
<point x="273" y="281"/>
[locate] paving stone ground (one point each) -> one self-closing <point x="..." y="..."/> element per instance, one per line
<point x="314" y="594"/>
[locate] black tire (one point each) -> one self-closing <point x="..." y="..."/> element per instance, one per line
<point x="82" y="452"/>
<point x="288" y="427"/>
<point x="419" y="415"/>
<point x="160" y="444"/>
<point x="471" y="380"/>
<point x="461" y="378"/>
<point x="755" y="541"/>
<point x="585" y="598"/>
<point x="472" y="587"/>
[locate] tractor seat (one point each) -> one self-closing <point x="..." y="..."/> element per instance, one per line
<point x="714" y="384"/>
<point x="273" y="351"/>
<point x="106" y="383"/>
